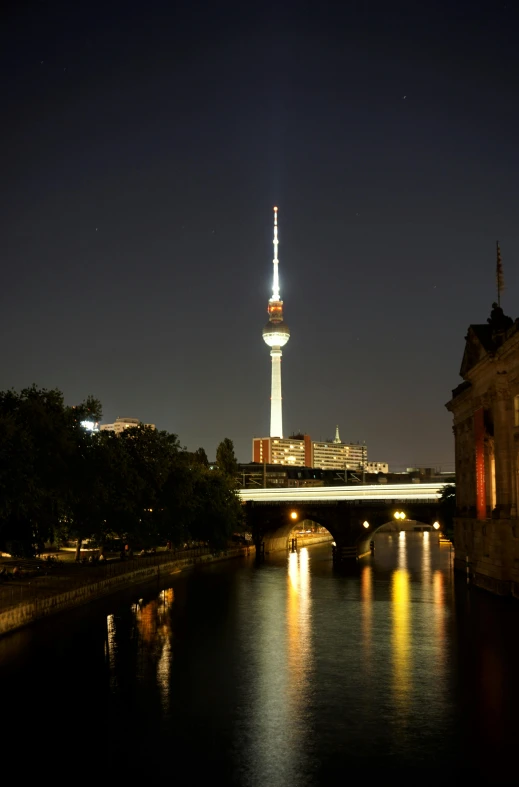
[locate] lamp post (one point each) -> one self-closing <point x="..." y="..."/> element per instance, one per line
<point x="294" y="516"/>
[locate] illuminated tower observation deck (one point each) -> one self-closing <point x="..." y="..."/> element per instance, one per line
<point x="276" y="334"/>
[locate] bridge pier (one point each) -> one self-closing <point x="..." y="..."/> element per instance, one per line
<point x="260" y="551"/>
<point x="344" y="554"/>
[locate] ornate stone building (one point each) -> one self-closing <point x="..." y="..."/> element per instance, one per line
<point x="485" y="407"/>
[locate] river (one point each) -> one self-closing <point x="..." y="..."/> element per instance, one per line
<point x="288" y="673"/>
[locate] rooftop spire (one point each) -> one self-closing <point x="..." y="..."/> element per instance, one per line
<point x="337" y="439"/>
<point x="275" y="285"/>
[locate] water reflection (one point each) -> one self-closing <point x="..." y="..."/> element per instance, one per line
<point x="288" y="673"/>
<point x="164" y="664"/>
<point x="438" y="611"/>
<point x="426" y="559"/>
<point x="366" y="594"/>
<point x="111" y="650"/>
<point x="299" y="623"/>
<point x="151" y="624"/>
<point x="400" y="610"/>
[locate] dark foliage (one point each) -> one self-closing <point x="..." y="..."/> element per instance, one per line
<point x="59" y="481"/>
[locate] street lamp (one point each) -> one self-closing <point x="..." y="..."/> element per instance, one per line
<point x="293" y="515"/>
<point x="365" y="524"/>
<point x="436" y="525"/>
<point x="399" y="515"/>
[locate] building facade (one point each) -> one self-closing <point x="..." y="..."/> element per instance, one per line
<point x="302" y="451"/>
<point x="282" y="451"/>
<point x="120" y="424"/>
<point x="339" y="456"/>
<point x="377" y="467"/>
<point x="485" y="409"/>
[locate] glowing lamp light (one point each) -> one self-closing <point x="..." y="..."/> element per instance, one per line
<point x="90" y="426"/>
<point x="436" y="525"/>
<point x="399" y="515"/>
<point x="293" y="515"/>
<point x="365" y="524"/>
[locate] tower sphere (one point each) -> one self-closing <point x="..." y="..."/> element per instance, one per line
<point x="276" y="334"/>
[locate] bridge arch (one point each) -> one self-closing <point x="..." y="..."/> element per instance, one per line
<point x="352" y="523"/>
<point x="271" y="524"/>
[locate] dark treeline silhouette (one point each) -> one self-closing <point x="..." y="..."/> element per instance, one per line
<point x="61" y="482"/>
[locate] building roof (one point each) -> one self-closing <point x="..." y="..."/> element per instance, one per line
<point x="484" y="339"/>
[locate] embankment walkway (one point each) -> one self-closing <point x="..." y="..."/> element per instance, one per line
<point x="49" y="587"/>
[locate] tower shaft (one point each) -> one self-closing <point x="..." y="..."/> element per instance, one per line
<point x="276" y="408"/>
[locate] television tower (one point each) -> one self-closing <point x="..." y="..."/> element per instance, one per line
<point x="276" y="334"/>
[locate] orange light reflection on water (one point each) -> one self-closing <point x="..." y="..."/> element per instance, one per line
<point x="401" y="613"/>
<point x="366" y="594"/>
<point x="298" y="622"/>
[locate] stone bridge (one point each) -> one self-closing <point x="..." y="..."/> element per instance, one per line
<point x="351" y="514"/>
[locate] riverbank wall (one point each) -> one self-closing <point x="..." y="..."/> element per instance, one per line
<point x="279" y="543"/>
<point x="42" y="605"/>
<point x="487" y="552"/>
<point x="318" y="538"/>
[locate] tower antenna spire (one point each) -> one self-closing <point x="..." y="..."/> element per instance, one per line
<point x="275" y="284"/>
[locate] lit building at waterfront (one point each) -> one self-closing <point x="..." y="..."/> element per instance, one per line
<point x="302" y="451"/>
<point x="120" y="424"/>
<point x="485" y="410"/>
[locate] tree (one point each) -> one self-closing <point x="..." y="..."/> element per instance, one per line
<point x="218" y="513"/>
<point x="200" y="457"/>
<point x="38" y="437"/>
<point x="226" y="461"/>
<point x="448" y="507"/>
<point x="58" y="479"/>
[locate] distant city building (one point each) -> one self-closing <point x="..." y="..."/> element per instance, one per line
<point x="377" y="467"/>
<point x="337" y="455"/>
<point x="120" y="424"/>
<point x="302" y="451"/>
<point x="283" y="451"/>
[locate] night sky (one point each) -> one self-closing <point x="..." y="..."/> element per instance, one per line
<point x="143" y="148"/>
